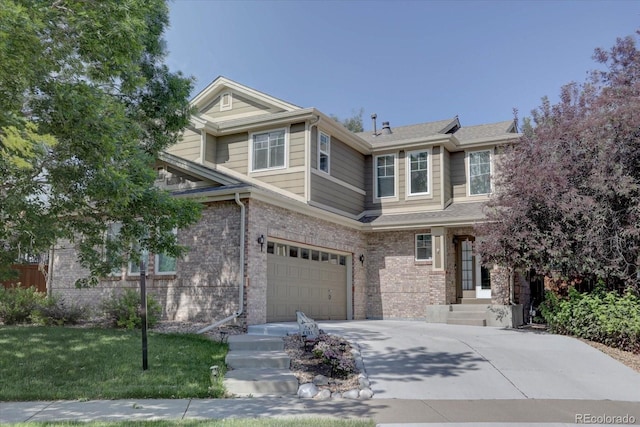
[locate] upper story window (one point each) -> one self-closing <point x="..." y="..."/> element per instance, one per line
<point x="385" y="175"/>
<point x="418" y="181"/>
<point x="423" y="247"/>
<point x="479" y="172"/>
<point x="268" y="150"/>
<point x="226" y="101"/>
<point x="324" y="149"/>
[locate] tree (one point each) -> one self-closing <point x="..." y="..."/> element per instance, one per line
<point x="567" y="200"/>
<point x="86" y="104"/>
<point x="353" y="123"/>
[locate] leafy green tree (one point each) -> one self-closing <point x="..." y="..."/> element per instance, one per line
<point x="86" y="104"/>
<point x="567" y="200"/>
<point x="353" y="123"/>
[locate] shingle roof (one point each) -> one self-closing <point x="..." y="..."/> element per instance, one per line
<point x="400" y="133"/>
<point x="470" y="211"/>
<point x="468" y="133"/>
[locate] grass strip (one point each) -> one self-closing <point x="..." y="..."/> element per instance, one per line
<point x="58" y="363"/>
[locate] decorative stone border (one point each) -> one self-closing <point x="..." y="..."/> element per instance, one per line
<point x="311" y="391"/>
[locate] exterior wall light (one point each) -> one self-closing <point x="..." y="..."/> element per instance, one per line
<point x="361" y="258"/>
<point x="261" y="241"/>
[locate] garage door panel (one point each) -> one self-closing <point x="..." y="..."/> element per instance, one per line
<point x="305" y="284"/>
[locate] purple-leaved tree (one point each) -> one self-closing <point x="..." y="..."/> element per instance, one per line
<point x="567" y="199"/>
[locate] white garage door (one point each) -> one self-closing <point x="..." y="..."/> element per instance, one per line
<point x="313" y="281"/>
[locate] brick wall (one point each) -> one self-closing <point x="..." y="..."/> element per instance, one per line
<point x="398" y="286"/>
<point x="205" y="287"/>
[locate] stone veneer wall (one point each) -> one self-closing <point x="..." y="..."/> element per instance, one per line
<point x="205" y="287"/>
<point x="398" y="286"/>
<point x="276" y="222"/>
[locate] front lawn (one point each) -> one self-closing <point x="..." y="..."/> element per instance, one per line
<point x="58" y="363"/>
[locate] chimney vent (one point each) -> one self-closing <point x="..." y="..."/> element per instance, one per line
<point x="374" y="116"/>
<point x="386" y="128"/>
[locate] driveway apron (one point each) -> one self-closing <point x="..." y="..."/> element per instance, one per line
<point x="418" y="360"/>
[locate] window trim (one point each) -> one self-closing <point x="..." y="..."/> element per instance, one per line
<point x="228" y="105"/>
<point x="286" y="150"/>
<point x="416" y="247"/>
<point x="468" y="171"/>
<point x="408" y="172"/>
<point x="327" y="153"/>
<point x="394" y="196"/>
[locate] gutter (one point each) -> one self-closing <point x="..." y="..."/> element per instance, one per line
<point x="241" y="284"/>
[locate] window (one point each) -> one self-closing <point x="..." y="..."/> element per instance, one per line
<point x="479" y="172"/>
<point x="324" y="147"/>
<point x="111" y="252"/>
<point x="423" y="247"/>
<point x="386" y="176"/>
<point x="226" y="101"/>
<point x="418" y="172"/>
<point x="165" y="264"/>
<point x="268" y="150"/>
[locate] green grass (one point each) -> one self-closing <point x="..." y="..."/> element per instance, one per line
<point x="52" y="363"/>
<point x="253" y="422"/>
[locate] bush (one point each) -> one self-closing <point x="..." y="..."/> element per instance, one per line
<point x="17" y="304"/>
<point x="123" y="311"/>
<point x="606" y="317"/>
<point x="55" y="311"/>
<point x="336" y="353"/>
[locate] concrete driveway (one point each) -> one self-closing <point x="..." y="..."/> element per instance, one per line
<point x="417" y="360"/>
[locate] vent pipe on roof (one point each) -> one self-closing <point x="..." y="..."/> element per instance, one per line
<point x="374" y="116"/>
<point x="386" y="128"/>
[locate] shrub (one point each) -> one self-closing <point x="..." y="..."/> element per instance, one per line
<point x="55" y="311"/>
<point x="123" y="311"/>
<point x="606" y="317"/>
<point x="336" y="353"/>
<point x="17" y="304"/>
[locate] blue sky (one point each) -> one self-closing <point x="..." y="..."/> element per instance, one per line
<point x="408" y="61"/>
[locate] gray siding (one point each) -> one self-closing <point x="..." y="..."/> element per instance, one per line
<point x="232" y="152"/>
<point x="458" y="175"/>
<point x="296" y="145"/>
<point x="337" y="196"/>
<point x="210" y="148"/>
<point x="446" y="175"/>
<point x="240" y="106"/>
<point x="345" y="163"/>
<point x="188" y="146"/>
<point x="293" y="182"/>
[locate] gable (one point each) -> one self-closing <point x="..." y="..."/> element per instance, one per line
<point x="225" y="100"/>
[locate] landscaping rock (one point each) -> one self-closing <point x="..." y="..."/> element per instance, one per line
<point x="324" y="394"/>
<point x="365" y="393"/>
<point x="320" y="380"/>
<point x="351" y="394"/>
<point x="336" y="396"/>
<point x="364" y="383"/>
<point x="306" y="391"/>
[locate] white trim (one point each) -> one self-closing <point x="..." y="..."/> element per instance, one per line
<point x="307" y="160"/>
<point x="407" y="169"/>
<point x="338" y="181"/>
<point x="415" y="247"/>
<point x="467" y="166"/>
<point x="203" y="145"/>
<point x="327" y="153"/>
<point x="277" y="171"/>
<point x="286" y="149"/>
<point x="226" y="106"/>
<point x="393" y="197"/>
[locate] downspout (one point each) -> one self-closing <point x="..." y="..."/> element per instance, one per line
<point x="241" y="284"/>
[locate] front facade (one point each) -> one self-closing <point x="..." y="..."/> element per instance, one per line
<point x="302" y="214"/>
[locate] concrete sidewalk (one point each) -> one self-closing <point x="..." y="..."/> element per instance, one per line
<point x="382" y="411"/>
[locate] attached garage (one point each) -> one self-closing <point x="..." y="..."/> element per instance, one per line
<point x="312" y="280"/>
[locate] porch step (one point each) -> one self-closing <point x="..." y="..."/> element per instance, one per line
<point x="258" y="359"/>
<point x="469" y="314"/>
<point x="261" y="382"/>
<point x="473" y="301"/>
<point x="255" y="343"/>
<point x="274" y="329"/>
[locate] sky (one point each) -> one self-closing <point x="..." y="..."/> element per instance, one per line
<point x="407" y="61"/>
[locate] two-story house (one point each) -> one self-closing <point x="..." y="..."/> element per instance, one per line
<point x="302" y="214"/>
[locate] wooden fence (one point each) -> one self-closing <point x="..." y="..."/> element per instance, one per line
<point x="28" y="275"/>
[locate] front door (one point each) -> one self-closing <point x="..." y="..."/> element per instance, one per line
<point x="474" y="279"/>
